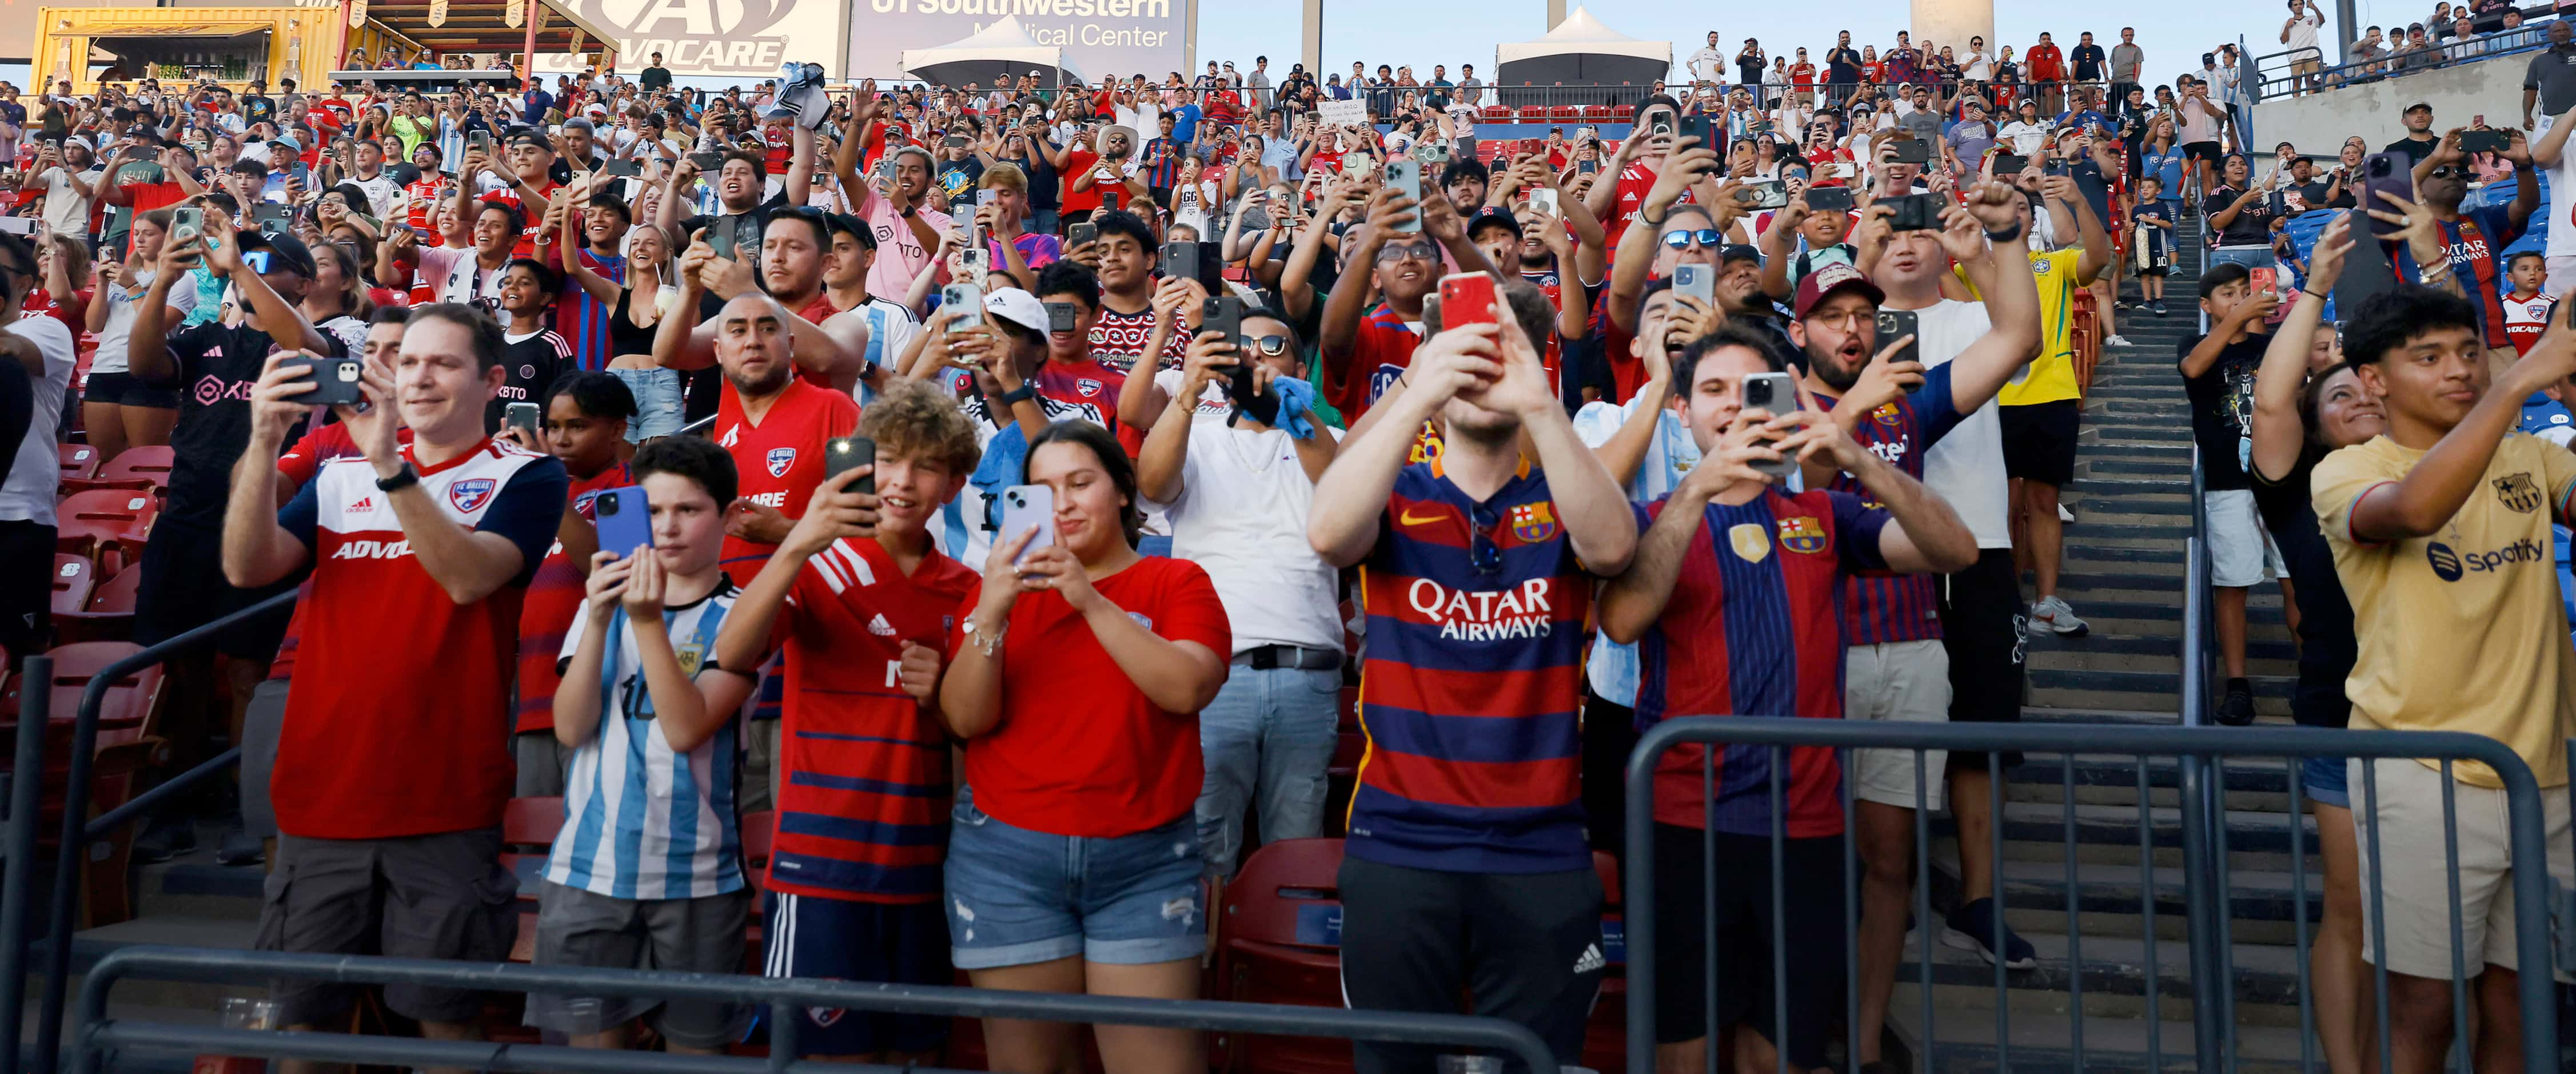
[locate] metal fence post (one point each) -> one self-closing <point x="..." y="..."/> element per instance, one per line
<point x="26" y="781"/>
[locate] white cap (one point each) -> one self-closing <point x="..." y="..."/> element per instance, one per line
<point x="1017" y="306"/>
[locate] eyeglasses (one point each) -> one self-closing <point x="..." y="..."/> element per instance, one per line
<point x="1681" y="240"/>
<point x="2447" y="171"/>
<point x="1390" y="254"/>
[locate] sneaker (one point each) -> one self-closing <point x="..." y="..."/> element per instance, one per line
<point x="165" y="839"/>
<point x="2237" y="708"/>
<point x="2115" y="341"/>
<point x="1972" y="928"/>
<point x="2064" y="515"/>
<point x="2120" y="304"/>
<point x="2050" y="615"/>
<point x="238" y="848"/>
<point x="2157" y="307"/>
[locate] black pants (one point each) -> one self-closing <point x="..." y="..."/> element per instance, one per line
<point x="26" y="588"/>
<point x="1609" y="736"/>
<point x="1807" y="924"/>
<point x="1526" y="945"/>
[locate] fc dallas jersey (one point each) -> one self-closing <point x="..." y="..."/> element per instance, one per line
<point x="2524" y="318"/>
<point x="533" y="219"/>
<point x="863" y="790"/>
<point x="780" y="459"/>
<point x="406" y="734"/>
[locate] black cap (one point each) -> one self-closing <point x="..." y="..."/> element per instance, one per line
<point x="1739" y="252"/>
<point x="1494" y="214"/>
<point x="282" y="247"/>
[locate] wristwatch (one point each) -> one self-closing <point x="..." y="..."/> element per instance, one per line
<point x="1024" y="391"/>
<point x="2009" y="234"/>
<point x="402" y="479"/>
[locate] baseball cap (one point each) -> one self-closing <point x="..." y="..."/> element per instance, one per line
<point x="1494" y="214"/>
<point x="2425" y="105"/>
<point x="287" y="140"/>
<point x="282" y="247"/>
<point x="1738" y="252"/>
<point x="1018" y="307"/>
<point x="531" y="138"/>
<point x="1834" y="277"/>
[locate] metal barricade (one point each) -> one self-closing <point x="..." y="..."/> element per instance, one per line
<point x="2209" y="988"/>
<point x="102" y="1037"/>
<point x="2276" y="77"/>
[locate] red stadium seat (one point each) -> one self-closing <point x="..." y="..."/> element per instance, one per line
<point x="1565" y="111"/>
<point x="99" y="522"/>
<point x="138" y="467"/>
<point x="74" y="577"/>
<point x="1623" y="111"/>
<point x="109" y="615"/>
<point x="1496" y="113"/>
<point x="79" y="461"/>
<point x="1280" y="929"/>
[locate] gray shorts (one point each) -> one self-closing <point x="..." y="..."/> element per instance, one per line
<point x="576" y="927"/>
<point x="261" y="724"/>
<point x="422" y="896"/>
<point x="543" y="763"/>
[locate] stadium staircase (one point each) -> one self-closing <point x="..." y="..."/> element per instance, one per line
<point x="2124" y="574"/>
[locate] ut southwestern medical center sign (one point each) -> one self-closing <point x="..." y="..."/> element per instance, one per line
<point x="749" y="39"/>
<point x="1099" y="37"/>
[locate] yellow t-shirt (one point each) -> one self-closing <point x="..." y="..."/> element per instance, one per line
<point x="2051" y="376"/>
<point x="2461" y="630"/>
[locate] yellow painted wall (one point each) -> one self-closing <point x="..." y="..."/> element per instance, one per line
<point x="302" y="44"/>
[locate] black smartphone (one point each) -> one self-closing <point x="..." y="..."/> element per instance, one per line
<point x="707" y="162"/>
<point x="849" y="452"/>
<point x="2009" y="164"/>
<point x="1911" y="151"/>
<point x="2391" y="172"/>
<point x="1704" y="128"/>
<point x="1587" y="167"/>
<point x="1914" y="212"/>
<point x="1082" y="233"/>
<point x="335" y="380"/>
<point x="1897" y="324"/>
<point x="1181" y="260"/>
<point x="1772" y="392"/>
<point x="955" y="142"/>
<point x="1829" y="199"/>
<point x="1223" y="313"/>
<point x="524" y="415"/>
<point x="1061" y="316"/>
<point x="621" y="169"/>
<point x="2484" y="141"/>
<point x="1109" y="201"/>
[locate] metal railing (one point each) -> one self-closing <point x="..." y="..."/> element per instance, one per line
<point x="2276" y="79"/>
<point x="102" y="1036"/>
<point x="2212" y="746"/>
<point x="79" y="829"/>
<point x="26" y="782"/>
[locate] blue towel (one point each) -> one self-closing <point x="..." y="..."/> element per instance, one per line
<point x="1296" y="399"/>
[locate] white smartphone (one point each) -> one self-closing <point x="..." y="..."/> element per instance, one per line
<point x="1027" y="507"/>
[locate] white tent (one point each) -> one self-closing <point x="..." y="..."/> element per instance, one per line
<point x="987" y="56"/>
<point x="1580" y="51"/>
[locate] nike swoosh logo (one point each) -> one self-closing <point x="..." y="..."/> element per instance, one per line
<point x="1406" y="518"/>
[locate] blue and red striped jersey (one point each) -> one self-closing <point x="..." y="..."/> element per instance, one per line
<point x="1751" y="630"/>
<point x="583" y="320"/>
<point x="1879" y="607"/>
<point x="2475" y="243"/>
<point x="1476" y="615"/>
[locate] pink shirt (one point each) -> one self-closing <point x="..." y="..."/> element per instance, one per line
<point x="900" y="256"/>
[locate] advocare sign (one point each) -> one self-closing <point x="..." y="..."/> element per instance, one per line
<point x="1099" y="37"/>
<point x="745" y="39"/>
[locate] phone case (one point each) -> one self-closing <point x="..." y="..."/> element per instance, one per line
<point x="624" y="519"/>
<point x="1026" y="507"/>
<point x="1466" y="298"/>
<point x="848" y="452"/>
<point x="335" y="381"/>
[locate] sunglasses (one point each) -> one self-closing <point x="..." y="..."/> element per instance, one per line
<point x="2447" y="171"/>
<point x="1681" y="240"/>
<point x="1269" y="346"/>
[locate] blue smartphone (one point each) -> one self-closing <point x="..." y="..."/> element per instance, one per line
<point x="624" y="518"/>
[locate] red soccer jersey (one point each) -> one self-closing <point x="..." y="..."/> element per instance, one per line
<point x="535" y="218"/>
<point x="1076" y="162"/>
<point x="1803" y="76"/>
<point x="863" y="789"/>
<point x="389" y="736"/>
<point x="297" y="466"/>
<point x="779" y="458"/>
<point x="421" y="195"/>
<point x="554" y="598"/>
<point x="1377" y="355"/>
<point x="815" y="313"/>
<point x="1079" y="750"/>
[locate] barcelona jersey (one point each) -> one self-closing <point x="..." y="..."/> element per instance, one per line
<point x="1878" y="607"/>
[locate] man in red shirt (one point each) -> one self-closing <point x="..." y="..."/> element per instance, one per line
<point x="527" y="184"/>
<point x="1640" y="157"/>
<point x="773" y="422"/>
<point x="1802" y="77"/>
<point x="1363" y="355"/>
<point x="133" y="189"/>
<point x="2045" y="66"/>
<point x="828" y="349"/>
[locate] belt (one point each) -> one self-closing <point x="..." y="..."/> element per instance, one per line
<point x="1269" y="657"/>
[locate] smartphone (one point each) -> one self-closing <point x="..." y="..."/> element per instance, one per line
<point x="1025" y="508"/>
<point x="621" y="169"/>
<point x="885" y="171"/>
<point x="707" y="162"/>
<point x="954" y="142"/>
<point x="721" y="238"/>
<point x="1587" y="167"/>
<point x="1911" y="151"/>
<point x="624" y="519"/>
<point x="187" y="222"/>
<point x="1774" y="393"/>
<point x="2259" y="280"/>
<point x="1082" y="233"/>
<point x="1406" y="177"/>
<point x="1704" y="128"/>
<point x="2391" y="172"/>
<point x="963" y="305"/>
<point x="2484" y="141"/>
<point x="1829" y="199"/>
<point x="1224" y="314"/>
<point x="2010" y="164"/>
<point x="976" y="259"/>
<point x="1897" y="324"/>
<point x="1914" y="212"/>
<point x="1181" y="260"/>
<point x="1545" y="199"/>
<point x="1466" y="298"/>
<point x="849" y="452"/>
<point x="523" y="415"/>
<point x="1763" y="194"/>
<point x="1109" y="201"/>
<point x="1697" y="281"/>
<point x="335" y="380"/>
<point x="1061" y="316"/>
<point x="479" y="142"/>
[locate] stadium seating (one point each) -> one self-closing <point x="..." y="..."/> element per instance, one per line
<point x="1279" y="941"/>
<point x="128" y="714"/>
<point x="109" y="614"/>
<point x="79" y="461"/>
<point x="74" y="577"/>
<point x="528" y="828"/>
<point x="136" y="468"/>
<point x="106" y="525"/>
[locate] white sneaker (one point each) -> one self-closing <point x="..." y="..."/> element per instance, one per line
<point x="2064" y="515"/>
<point x="2052" y="616"/>
<point x="2115" y="341"/>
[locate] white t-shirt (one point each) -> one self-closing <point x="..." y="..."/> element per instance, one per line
<point x="27" y="495"/>
<point x="121" y="306"/>
<point x="65" y="210"/>
<point x="2026" y="138"/>
<point x="1967" y="466"/>
<point x="2562" y="228"/>
<point x="2303" y="31"/>
<point x="1241" y="514"/>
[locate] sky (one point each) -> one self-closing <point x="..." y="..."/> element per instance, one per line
<point x="2173" y="32"/>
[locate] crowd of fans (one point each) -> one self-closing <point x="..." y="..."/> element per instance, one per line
<point x="690" y="455"/>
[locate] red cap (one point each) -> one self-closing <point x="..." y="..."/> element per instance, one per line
<point x="1829" y="279"/>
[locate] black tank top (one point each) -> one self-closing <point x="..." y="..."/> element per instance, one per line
<point x="623" y="336"/>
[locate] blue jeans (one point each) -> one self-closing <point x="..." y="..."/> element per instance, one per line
<point x="1267" y="739"/>
<point x="1044" y="221"/>
<point x="1018" y="897"/>
<point x="657" y="402"/>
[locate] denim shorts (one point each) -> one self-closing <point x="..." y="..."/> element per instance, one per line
<point x="1018" y="897"/>
<point x="2326" y="781"/>
<point x="657" y="402"/>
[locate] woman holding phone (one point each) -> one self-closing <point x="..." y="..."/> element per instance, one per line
<point x="1076" y="676"/>
<point x="118" y="410"/>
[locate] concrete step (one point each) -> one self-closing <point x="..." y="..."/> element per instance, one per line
<point x="1968" y="1044"/>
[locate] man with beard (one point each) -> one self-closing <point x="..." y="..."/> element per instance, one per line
<point x="827" y="349"/>
<point x="773" y="421"/>
<point x="1895" y="667"/>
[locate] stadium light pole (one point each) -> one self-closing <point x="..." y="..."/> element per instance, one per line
<point x="1310" y="46"/>
<point x="1555" y="13"/>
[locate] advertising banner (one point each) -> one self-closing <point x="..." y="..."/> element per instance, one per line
<point x="1099" y="37"/>
<point x="746" y="39"/>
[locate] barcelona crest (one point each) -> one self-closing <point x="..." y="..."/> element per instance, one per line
<point x="2518" y="492"/>
<point x="1802" y="534"/>
<point x="1534" y="523"/>
<point x="1888" y="415"/>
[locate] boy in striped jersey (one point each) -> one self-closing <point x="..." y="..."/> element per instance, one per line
<point x="647" y="872"/>
<point x="862" y="600"/>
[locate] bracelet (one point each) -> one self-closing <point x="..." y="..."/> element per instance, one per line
<point x="983" y="643"/>
<point x="2312" y="294"/>
<point x="402" y="479"/>
<point x="1024" y="392"/>
<point x="2010" y="234"/>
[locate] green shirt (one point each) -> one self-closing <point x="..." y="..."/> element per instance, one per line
<point x="412" y="131"/>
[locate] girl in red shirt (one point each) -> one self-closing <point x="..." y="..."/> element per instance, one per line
<point x="1077" y="675"/>
<point x="62" y="267"/>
